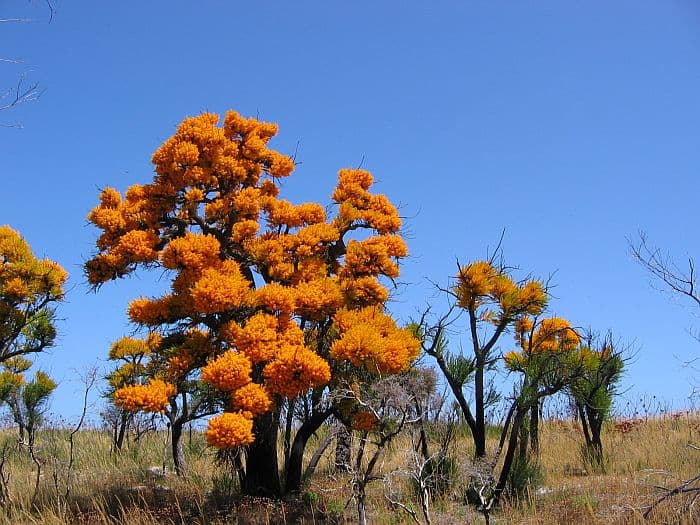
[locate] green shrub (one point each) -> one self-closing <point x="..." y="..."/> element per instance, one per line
<point x="525" y="476"/>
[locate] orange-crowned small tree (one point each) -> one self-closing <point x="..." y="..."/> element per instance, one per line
<point x="282" y="296"/>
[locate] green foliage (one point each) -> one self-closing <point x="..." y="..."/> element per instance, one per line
<point x="461" y="368"/>
<point x="36" y="392"/>
<point x="310" y="498"/>
<point x="525" y="476"/>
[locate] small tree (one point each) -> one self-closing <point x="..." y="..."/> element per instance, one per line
<point x="27" y="401"/>
<point x="593" y="391"/>
<point x="29" y="288"/>
<point x="129" y="354"/>
<point x="493" y="301"/>
<point x="545" y="346"/>
<point x="379" y="411"/>
<point x="155" y="360"/>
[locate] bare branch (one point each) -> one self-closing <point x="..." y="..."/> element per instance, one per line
<point x="21" y="93"/>
<point x="661" y="266"/>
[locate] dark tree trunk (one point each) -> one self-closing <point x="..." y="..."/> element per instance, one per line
<point x="176" y="444"/>
<point x="479" y="430"/>
<point x="343" y="448"/>
<point x="584" y="424"/>
<point x="510" y="454"/>
<point x="523" y="438"/>
<point x="535" y="429"/>
<point x="122" y="426"/>
<point x="595" y="423"/>
<point x="291" y="403"/>
<point x="293" y="468"/>
<point x="423" y="441"/>
<point x="316" y="457"/>
<point x="262" y="472"/>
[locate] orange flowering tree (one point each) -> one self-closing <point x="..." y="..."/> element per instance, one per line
<point x="493" y="301"/>
<point x="154" y="375"/>
<point x="547" y="360"/>
<point x="29" y="288"/>
<point x="279" y="294"/>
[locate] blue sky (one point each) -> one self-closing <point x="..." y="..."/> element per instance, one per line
<point x="571" y="125"/>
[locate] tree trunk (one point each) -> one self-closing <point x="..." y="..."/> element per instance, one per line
<point x="291" y="403"/>
<point x="262" y="477"/>
<point x="361" y="507"/>
<point x="120" y="433"/>
<point x="293" y="468"/>
<point x="535" y="429"/>
<point x="595" y="423"/>
<point x="480" y="427"/>
<point x="343" y="448"/>
<point x="176" y="443"/>
<point x="584" y="424"/>
<point x="523" y="438"/>
<point x="510" y="454"/>
<point x="317" y="455"/>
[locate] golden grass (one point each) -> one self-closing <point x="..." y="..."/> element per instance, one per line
<point x="107" y="487"/>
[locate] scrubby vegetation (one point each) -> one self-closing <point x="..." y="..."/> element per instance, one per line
<point x="138" y="485"/>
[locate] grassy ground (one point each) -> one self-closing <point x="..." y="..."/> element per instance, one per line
<point x="130" y="487"/>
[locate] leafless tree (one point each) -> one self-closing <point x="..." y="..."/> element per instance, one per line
<point x="680" y="279"/>
<point x="383" y="409"/>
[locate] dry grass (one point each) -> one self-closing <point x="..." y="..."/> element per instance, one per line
<point x="106" y="487"/>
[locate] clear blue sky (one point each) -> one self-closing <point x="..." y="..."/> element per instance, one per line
<point x="571" y="125"/>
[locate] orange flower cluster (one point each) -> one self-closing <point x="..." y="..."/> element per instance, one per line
<point x="481" y="281"/>
<point x="154" y="312"/>
<point x="257" y="339"/>
<point x="294" y="370"/>
<point x="276" y="298"/>
<point x="358" y="205"/>
<point x="252" y="398"/>
<point x="318" y="298"/>
<point x="193" y="251"/>
<point x="554" y="334"/>
<point x="152" y="397"/>
<point x="230" y="430"/>
<point x="369" y="338"/>
<point x="129" y="347"/>
<point x="180" y="364"/>
<point x="365" y="291"/>
<point x="228" y="372"/>
<point x="221" y="289"/>
<point x="189" y="354"/>
<point x="24" y="279"/>
<point x="550" y="335"/>
<point x="373" y="256"/>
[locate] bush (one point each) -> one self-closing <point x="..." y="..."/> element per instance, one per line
<point x="525" y="476"/>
